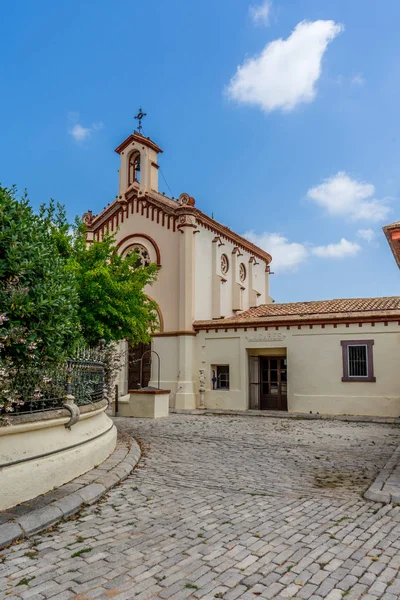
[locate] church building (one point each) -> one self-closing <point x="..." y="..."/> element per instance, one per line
<point x="222" y="341"/>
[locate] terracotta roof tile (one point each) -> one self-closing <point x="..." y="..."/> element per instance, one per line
<point x="344" y="305"/>
<point x="315" y="311"/>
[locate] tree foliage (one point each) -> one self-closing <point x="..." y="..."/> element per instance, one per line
<point x="37" y="294"/>
<point x="112" y="301"/>
<point x="57" y="292"/>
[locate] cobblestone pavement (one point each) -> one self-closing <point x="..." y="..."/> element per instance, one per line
<point x="227" y="507"/>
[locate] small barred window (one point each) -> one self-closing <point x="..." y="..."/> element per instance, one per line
<point x="224" y="264"/>
<point x="358" y="360"/>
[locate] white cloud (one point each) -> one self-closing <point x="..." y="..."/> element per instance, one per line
<point x="286" y="72"/>
<point x="340" y="250"/>
<point x="78" y="131"/>
<point x="366" y="234"/>
<point x="260" y="13"/>
<point x="286" y="256"/>
<point x="341" y="195"/>
<point x="358" y="79"/>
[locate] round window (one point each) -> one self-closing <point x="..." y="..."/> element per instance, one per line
<point x="242" y="272"/>
<point x="224" y="264"/>
<point x="143" y="255"/>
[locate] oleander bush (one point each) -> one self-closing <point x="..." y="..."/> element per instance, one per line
<point x="57" y="292"/>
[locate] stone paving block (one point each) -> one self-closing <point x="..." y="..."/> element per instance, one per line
<point x="378" y="496"/>
<point x="335" y="595"/>
<point x="9" y="532"/>
<point x="91" y="493"/>
<point x="108" y="480"/>
<point x="255" y="510"/>
<point x="69" y="505"/>
<point x="39" y="519"/>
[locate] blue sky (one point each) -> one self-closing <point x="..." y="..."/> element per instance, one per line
<point x="280" y="117"/>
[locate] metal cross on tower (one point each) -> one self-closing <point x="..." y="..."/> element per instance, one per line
<point x="139" y="118"/>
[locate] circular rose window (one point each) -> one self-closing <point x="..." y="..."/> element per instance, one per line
<point x="224" y="264"/>
<point x="143" y="255"/>
<point x="242" y="272"/>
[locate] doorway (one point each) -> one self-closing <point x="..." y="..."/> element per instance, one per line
<point x="139" y="374"/>
<point x="273" y="383"/>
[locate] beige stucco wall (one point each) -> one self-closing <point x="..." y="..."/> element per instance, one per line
<point x="144" y="405"/>
<point x="165" y="291"/>
<point x="178" y="369"/>
<point x="314" y="362"/>
<point x="184" y="291"/>
<point x="208" y="275"/>
<point x="167" y="348"/>
<point x="29" y="439"/>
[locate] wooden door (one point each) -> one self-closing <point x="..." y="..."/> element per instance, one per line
<point x="139" y="376"/>
<point x="273" y="383"/>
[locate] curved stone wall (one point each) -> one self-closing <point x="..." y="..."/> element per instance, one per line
<point x="38" y="453"/>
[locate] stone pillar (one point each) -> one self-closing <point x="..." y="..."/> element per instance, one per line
<point x="122" y="378"/>
<point x="186" y="393"/>
<point x="185" y="397"/>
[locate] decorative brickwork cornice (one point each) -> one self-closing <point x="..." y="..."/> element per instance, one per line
<point x="173" y="210"/>
<point x="137" y="137"/>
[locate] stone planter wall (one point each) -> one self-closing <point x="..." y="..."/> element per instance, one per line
<point x="38" y="453"/>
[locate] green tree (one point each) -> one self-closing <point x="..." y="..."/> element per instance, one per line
<point x="112" y="301"/>
<point x="56" y="291"/>
<point x="38" y="296"/>
<point x="112" y="304"/>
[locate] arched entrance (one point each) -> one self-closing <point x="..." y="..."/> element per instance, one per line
<point x="139" y="374"/>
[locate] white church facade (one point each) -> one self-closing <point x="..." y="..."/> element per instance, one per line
<point x="222" y="341"/>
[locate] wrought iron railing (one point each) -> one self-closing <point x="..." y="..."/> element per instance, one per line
<point x="47" y="388"/>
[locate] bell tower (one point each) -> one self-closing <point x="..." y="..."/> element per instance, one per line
<point x="138" y="162"/>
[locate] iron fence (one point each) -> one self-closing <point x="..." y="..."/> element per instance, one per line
<point x="46" y="388"/>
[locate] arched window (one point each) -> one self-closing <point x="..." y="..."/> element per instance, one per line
<point x="134" y="168"/>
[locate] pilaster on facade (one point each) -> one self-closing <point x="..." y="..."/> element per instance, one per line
<point x="254" y="294"/>
<point x="185" y="397"/>
<point x="187" y="226"/>
<point x="217" y="279"/>
<point x="268" y="299"/>
<point x="237" y="287"/>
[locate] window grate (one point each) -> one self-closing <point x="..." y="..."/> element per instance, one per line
<point x="357" y="361"/>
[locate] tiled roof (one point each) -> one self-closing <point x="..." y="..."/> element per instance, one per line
<point x="343" y="305"/>
<point x="315" y="311"/>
